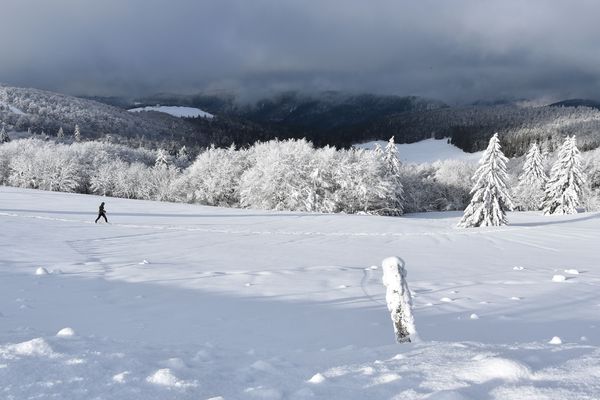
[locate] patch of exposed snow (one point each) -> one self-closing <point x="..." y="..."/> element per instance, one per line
<point x="559" y="278"/>
<point x="426" y="151"/>
<point x="164" y="377"/>
<point x="572" y="271"/>
<point x="555" y="340"/>
<point x="34" y="347"/>
<point x="41" y="271"/>
<point x="176" y="111"/>
<point x="66" y="332"/>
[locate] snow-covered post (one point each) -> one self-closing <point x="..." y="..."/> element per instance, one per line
<point x="398" y="298"/>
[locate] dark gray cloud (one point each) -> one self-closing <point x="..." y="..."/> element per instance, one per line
<point x="458" y="50"/>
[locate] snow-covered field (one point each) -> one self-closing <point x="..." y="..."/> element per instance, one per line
<point x="427" y="151"/>
<point x="176" y="111"/>
<point x="175" y="301"/>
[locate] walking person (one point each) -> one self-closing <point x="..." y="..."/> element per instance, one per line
<point x="101" y="213"/>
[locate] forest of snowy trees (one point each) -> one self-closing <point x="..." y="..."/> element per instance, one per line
<point x="278" y="175"/>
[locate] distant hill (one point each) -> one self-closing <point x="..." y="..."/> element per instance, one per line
<point x="41" y="110"/>
<point x="327" y="118"/>
<point x="577" y="103"/>
<point x="471" y="127"/>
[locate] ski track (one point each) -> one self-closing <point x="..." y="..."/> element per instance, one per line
<point x="456" y="231"/>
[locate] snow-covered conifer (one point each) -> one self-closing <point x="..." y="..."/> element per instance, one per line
<point x="529" y="193"/>
<point x="567" y="182"/>
<point x="393" y="166"/>
<point x="183" y="158"/>
<point x="162" y="158"/>
<point x="77" y="133"/>
<point x="378" y="150"/>
<point x="398" y="299"/>
<point x="60" y="134"/>
<point x="4" y="136"/>
<point x="490" y="198"/>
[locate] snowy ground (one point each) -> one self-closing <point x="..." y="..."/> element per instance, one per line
<point x="176" y="111"/>
<point x="174" y="301"/>
<point x="427" y="151"/>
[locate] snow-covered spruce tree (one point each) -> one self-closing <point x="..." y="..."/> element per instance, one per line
<point x="162" y="158"/>
<point x="491" y="197"/>
<point x="4" y="136"/>
<point x="529" y="193"/>
<point x="183" y="158"/>
<point x="392" y="167"/>
<point x="77" y="133"/>
<point x="398" y="299"/>
<point x="567" y="182"/>
<point x="60" y="134"/>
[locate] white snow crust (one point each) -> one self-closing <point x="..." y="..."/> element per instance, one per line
<point x="188" y="326"/>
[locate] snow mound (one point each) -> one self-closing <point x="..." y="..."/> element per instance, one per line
<point x="264" y="366"/>
<point x="474" y="316"/>
<point x="34" y="347"/>
<point x="66" y="332"/>
<point x="121" y="377"/>
<point x="495" y="368"/>
<point x="164" y="377"/>
<point x="559" y="278"/>
<point x="317" y="378"/>
<point x="446" y="300"/>
<point x="555" y="340"/>
<point x="176" y="111"/>
<point x="572" y="271"/>
<point x="41" y="271"/>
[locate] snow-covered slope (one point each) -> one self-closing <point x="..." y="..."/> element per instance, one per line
<point x="12" y="109"/>
<point x="176" y="301"/>
<point x="427" y="151"/>
<point x="176" y="111"/>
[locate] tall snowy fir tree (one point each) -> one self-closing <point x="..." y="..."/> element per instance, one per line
<point x="491" y="197"/>
<point x="162" y="158"/>
<point x="60" y="134"/>
<point x="393" y="169"/>
<point x="529" y="193"/>
<point x="565" y="186"/>
<point x="77" y="133"/>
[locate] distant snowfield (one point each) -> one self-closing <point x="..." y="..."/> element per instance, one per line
<point x="176" y="111"/>
<point x="427" y="151"/>
<point x="176" y="301"/>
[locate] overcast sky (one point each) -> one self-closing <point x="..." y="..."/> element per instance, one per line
<point x="454" y="50"/>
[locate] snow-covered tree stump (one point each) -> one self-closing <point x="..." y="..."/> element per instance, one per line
<point x="398" y="298"/>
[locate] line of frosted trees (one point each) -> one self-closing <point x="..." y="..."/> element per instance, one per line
<point x="560" y="193"/>
<point x="278" y="175"/>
